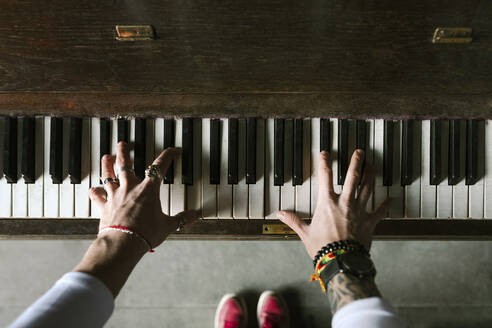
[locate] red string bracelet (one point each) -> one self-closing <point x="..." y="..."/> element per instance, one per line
<point x="128" y="231"/>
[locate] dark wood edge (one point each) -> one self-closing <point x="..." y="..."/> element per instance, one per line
<point x="398" y="229"/>
<point x="253" y="104"/>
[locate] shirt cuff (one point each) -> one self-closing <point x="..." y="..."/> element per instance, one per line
<point x="367" y="313"/>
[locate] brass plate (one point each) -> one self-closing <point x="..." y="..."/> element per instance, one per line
<point x="452" y="35"/>
<point x="134" y="32"/>
<point x="277" y="229"/>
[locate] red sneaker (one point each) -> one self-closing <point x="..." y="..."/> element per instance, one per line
<point x="272" y="311"/>
<point x="231" y="312"/>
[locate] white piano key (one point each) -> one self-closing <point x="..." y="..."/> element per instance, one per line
<point x="303" y="192"/>
<point x="19" y="189"/>
<point x="95" y="162"/>
<point x="380" y="191"/>
<point x="35" y="190"/>
<point x="194" y="192"/>
<point x="178" y="189"/>
<point x="158" y="148"/>
<point x="287" y="191"/>
<point x="444" y="190"/>
<point x="272" y="192"/>
<point x="82" y="190"/>
<point x="412" y="191"/>
<point x="240" y="190"/>
<point x="224" y="189"/>
<point x="51" y="207"/>
<point x="5" y="188"/>
<point x="370" y="156"/>
<point x="209" y="191"/>
<point x="114" y="135"/>
<point x="315" y="147"/>
<point x="334" y="156"/>
<point x="149" y="142"/>
<point x="476" y="191"/>
<point x="488" y="171"/>
<point x="257" y="191"/>
<point x="395" y="191"/>
<point x="67" y="190"/>
<point x="428" y="192"/>
<point x="459" y="205"/>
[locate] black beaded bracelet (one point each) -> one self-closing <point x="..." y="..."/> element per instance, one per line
<point x="347" y="244"/>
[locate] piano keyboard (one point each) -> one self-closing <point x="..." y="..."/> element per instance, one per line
<point x="248" y="168"/>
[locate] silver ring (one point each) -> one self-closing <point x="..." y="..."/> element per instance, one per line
<point x="107" y="180"/>
<point x="154" y="171"/>
<point x="120" y="169"/>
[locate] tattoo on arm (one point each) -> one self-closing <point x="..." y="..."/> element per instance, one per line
<point x="344" y="289"/>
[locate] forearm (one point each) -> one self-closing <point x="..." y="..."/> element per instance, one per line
<point x="344" y="289"/>
<point x="111" y="258"/>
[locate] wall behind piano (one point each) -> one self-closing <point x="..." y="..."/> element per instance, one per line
<point x="425" y="280"/>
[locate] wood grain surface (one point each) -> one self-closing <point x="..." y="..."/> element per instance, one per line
<point x="241" y="57"/>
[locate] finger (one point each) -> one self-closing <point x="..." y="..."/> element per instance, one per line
<point x="107" y="171"/>
<point x="164" y="160"/>
<point x="325" y="174"/>
<point x="98" y="196"/>
<point x="382" y="211"/>
<point x="353" y="176"/>
<point x="185" y="217"/>
<point x="123" y="160"/>
<point x="366" y="186"/>
<point x="292" y="221"/>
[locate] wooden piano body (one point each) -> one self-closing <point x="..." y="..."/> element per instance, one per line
<point x="272" y="58"/>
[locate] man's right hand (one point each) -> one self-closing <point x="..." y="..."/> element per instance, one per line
<point x="339" y="216"/>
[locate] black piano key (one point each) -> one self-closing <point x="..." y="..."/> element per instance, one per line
<point x="325" y="135"/>
<point x="278" y="152"/>
<point x="56" y="150"/>
<point x="28" y="166"/>
<point x="343" y="155"/>
<point x="187" y="155"/>
<point x="251" y="151"/>
<point x="472" y="144"/>
<point x="139" y="147"/>
<point x="123" y="133"/>
<point x="388" y="149"/>
<point x="361" y="138"/>
<point x="454" y="153"/>
<point x="10" y="150"/>
<point x="169" y="140"/>
<point x="435" y="152"/>
<point x="232" y="151"/>
<point x="104" y="139"/>
<point x="297" y="171"/>
<point x="215" y="149"/>
<point x="75" y="151"/>
<point x="361" y="135"/>
<point x="407" y="145"/>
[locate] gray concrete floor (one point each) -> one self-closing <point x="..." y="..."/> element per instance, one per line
<point x="432" y="283"/>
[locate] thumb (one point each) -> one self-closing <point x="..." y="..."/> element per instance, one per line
<point x="184" y="218"/>
<point x="292" y="221"/>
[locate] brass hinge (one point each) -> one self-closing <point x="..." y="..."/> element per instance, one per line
<point x="134" y="32"/>
<point x="452" y="35"/>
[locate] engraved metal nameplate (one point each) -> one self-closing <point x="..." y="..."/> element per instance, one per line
<point x="134" y="32"/>
<point x="452" y="35"/>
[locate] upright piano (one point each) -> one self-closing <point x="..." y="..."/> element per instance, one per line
<point x="251" y="92"/>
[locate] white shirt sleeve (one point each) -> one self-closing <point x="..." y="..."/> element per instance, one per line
<point x="76" y="300"/>
<point x="372" y="312"/>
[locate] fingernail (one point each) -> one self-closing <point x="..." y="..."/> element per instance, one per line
<point x="360" y="152"/>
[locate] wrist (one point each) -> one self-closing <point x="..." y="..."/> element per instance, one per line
<point x="345" y="288"/>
